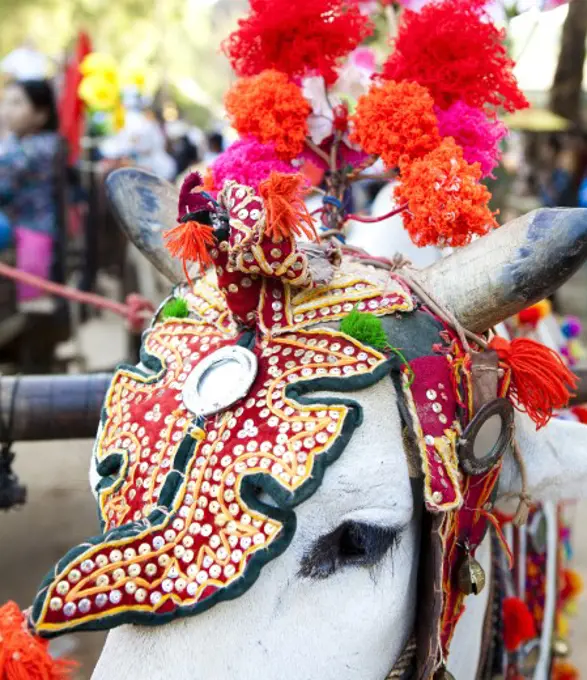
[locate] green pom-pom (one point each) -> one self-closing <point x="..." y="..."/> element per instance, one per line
<point x="176" y="308"/>
<point x="366" y="328"/>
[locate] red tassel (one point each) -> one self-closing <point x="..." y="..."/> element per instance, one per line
<point x="23" y="656"/>
<point x="518" y="624"/>
<point x="540" y="380"/>
<point x="189" y="241"/>
<point x="287" y="213"/>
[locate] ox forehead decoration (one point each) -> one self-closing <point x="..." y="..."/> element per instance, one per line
<point x="220" y="409"/>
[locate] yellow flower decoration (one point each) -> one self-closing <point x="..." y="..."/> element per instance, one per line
<point x="136" y="77"/>
<point x="98" y="93"/>
<point x="100" y="64"/>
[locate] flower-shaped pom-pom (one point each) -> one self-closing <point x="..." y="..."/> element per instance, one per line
<point x="296" y="37"/>
<point x="272" y="109"/>
<point x="396" y="121"/>
<point x="248" y="162"/>
<point x="445" y="203"/>
<point x="454" y="50"/>
<point x="478" y="135"/>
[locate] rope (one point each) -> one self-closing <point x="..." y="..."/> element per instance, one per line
<point x="404" y="662"/>
<point x="445" y="314"/>
<point x="135" y="309"/>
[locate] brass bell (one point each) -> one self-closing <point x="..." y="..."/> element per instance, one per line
<point x="560" y="648"/>
<point x="471" y="576"/>
<point x="443" y="674"/>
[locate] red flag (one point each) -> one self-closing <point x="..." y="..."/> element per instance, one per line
<point x="71" y="108"/>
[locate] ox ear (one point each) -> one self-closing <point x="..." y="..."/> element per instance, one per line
<point x="555" y="458"/>
<point x="146" y="206"/>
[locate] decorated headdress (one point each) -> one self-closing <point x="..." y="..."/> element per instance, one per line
<point x="221" y="408"/>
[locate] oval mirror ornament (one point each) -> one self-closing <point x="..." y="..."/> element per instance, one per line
<point x="487" y="437"/>
<point x="537" y="531"/>
<point x="220" y="380"/>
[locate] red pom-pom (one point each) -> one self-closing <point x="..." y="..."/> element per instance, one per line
<point x="453" y="49"/>
<point x="530" y="316"/>
<point x="581" y="413"/>
<point x="296" y="37"/>
<point x="540" y="379"/>
<point x="518" y="624"/>
<point x="24" y="656"/>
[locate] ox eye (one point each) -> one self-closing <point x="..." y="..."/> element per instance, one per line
<point x="352" y="544"/>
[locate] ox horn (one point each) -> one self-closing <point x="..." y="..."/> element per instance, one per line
<point x="145" y="206"/>
<point x="511" y="268"/>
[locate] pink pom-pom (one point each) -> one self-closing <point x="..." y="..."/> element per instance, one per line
<point x="248" y="162"/>
<point x="478" y="135"/>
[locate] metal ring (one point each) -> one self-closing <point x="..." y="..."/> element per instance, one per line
<point x="471" y="462"/>
<point x="200" y="399"/>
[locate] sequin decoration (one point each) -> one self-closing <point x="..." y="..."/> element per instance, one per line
<point x="183" y="524"/>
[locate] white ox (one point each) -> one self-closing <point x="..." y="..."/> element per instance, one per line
<point x="340" y="604"/>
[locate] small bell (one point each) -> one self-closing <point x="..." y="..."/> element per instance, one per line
<point x="560" y="648"/>
<point x="443" y="674"/>
<point x="471" y="576"/>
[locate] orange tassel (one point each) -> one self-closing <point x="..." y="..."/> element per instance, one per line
<point x="540" y="380"/>
<point x="189" y="241"/>
<point x="518" y="624"/>
<point x="23" y="656"/>
<point x="287" y="213"/>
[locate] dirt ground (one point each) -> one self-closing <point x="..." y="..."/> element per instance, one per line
<point x="61" y="512"/>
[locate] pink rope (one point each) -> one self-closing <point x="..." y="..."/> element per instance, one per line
<point x="395" y="211"/>
<point x="135" y="309"/>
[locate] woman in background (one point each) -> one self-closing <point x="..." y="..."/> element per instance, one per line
<point x="28" y="175"/>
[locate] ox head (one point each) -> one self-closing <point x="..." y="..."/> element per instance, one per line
<point x="211" y="466"/>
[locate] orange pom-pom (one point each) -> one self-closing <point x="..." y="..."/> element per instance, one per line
<point x="272" y="109"/>
<point x="540" y="380"/>
<point x="24" y="656"/>
<point x="518" y="624"/>
<point x="287" y="213"/>
<point x="446" y="204"/>
<point x="189" y="241"/>
<point x="571" y="585"/>
<point x="563" y="670"/>
<point x="396" y="121"/>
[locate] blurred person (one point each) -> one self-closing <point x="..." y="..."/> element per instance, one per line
<point x="182" y="149"/>
<point x="28" y="176"/>
<point x="215" y="143"/>
<point x="559" y="184"/>
<point x="141" y="142"/>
